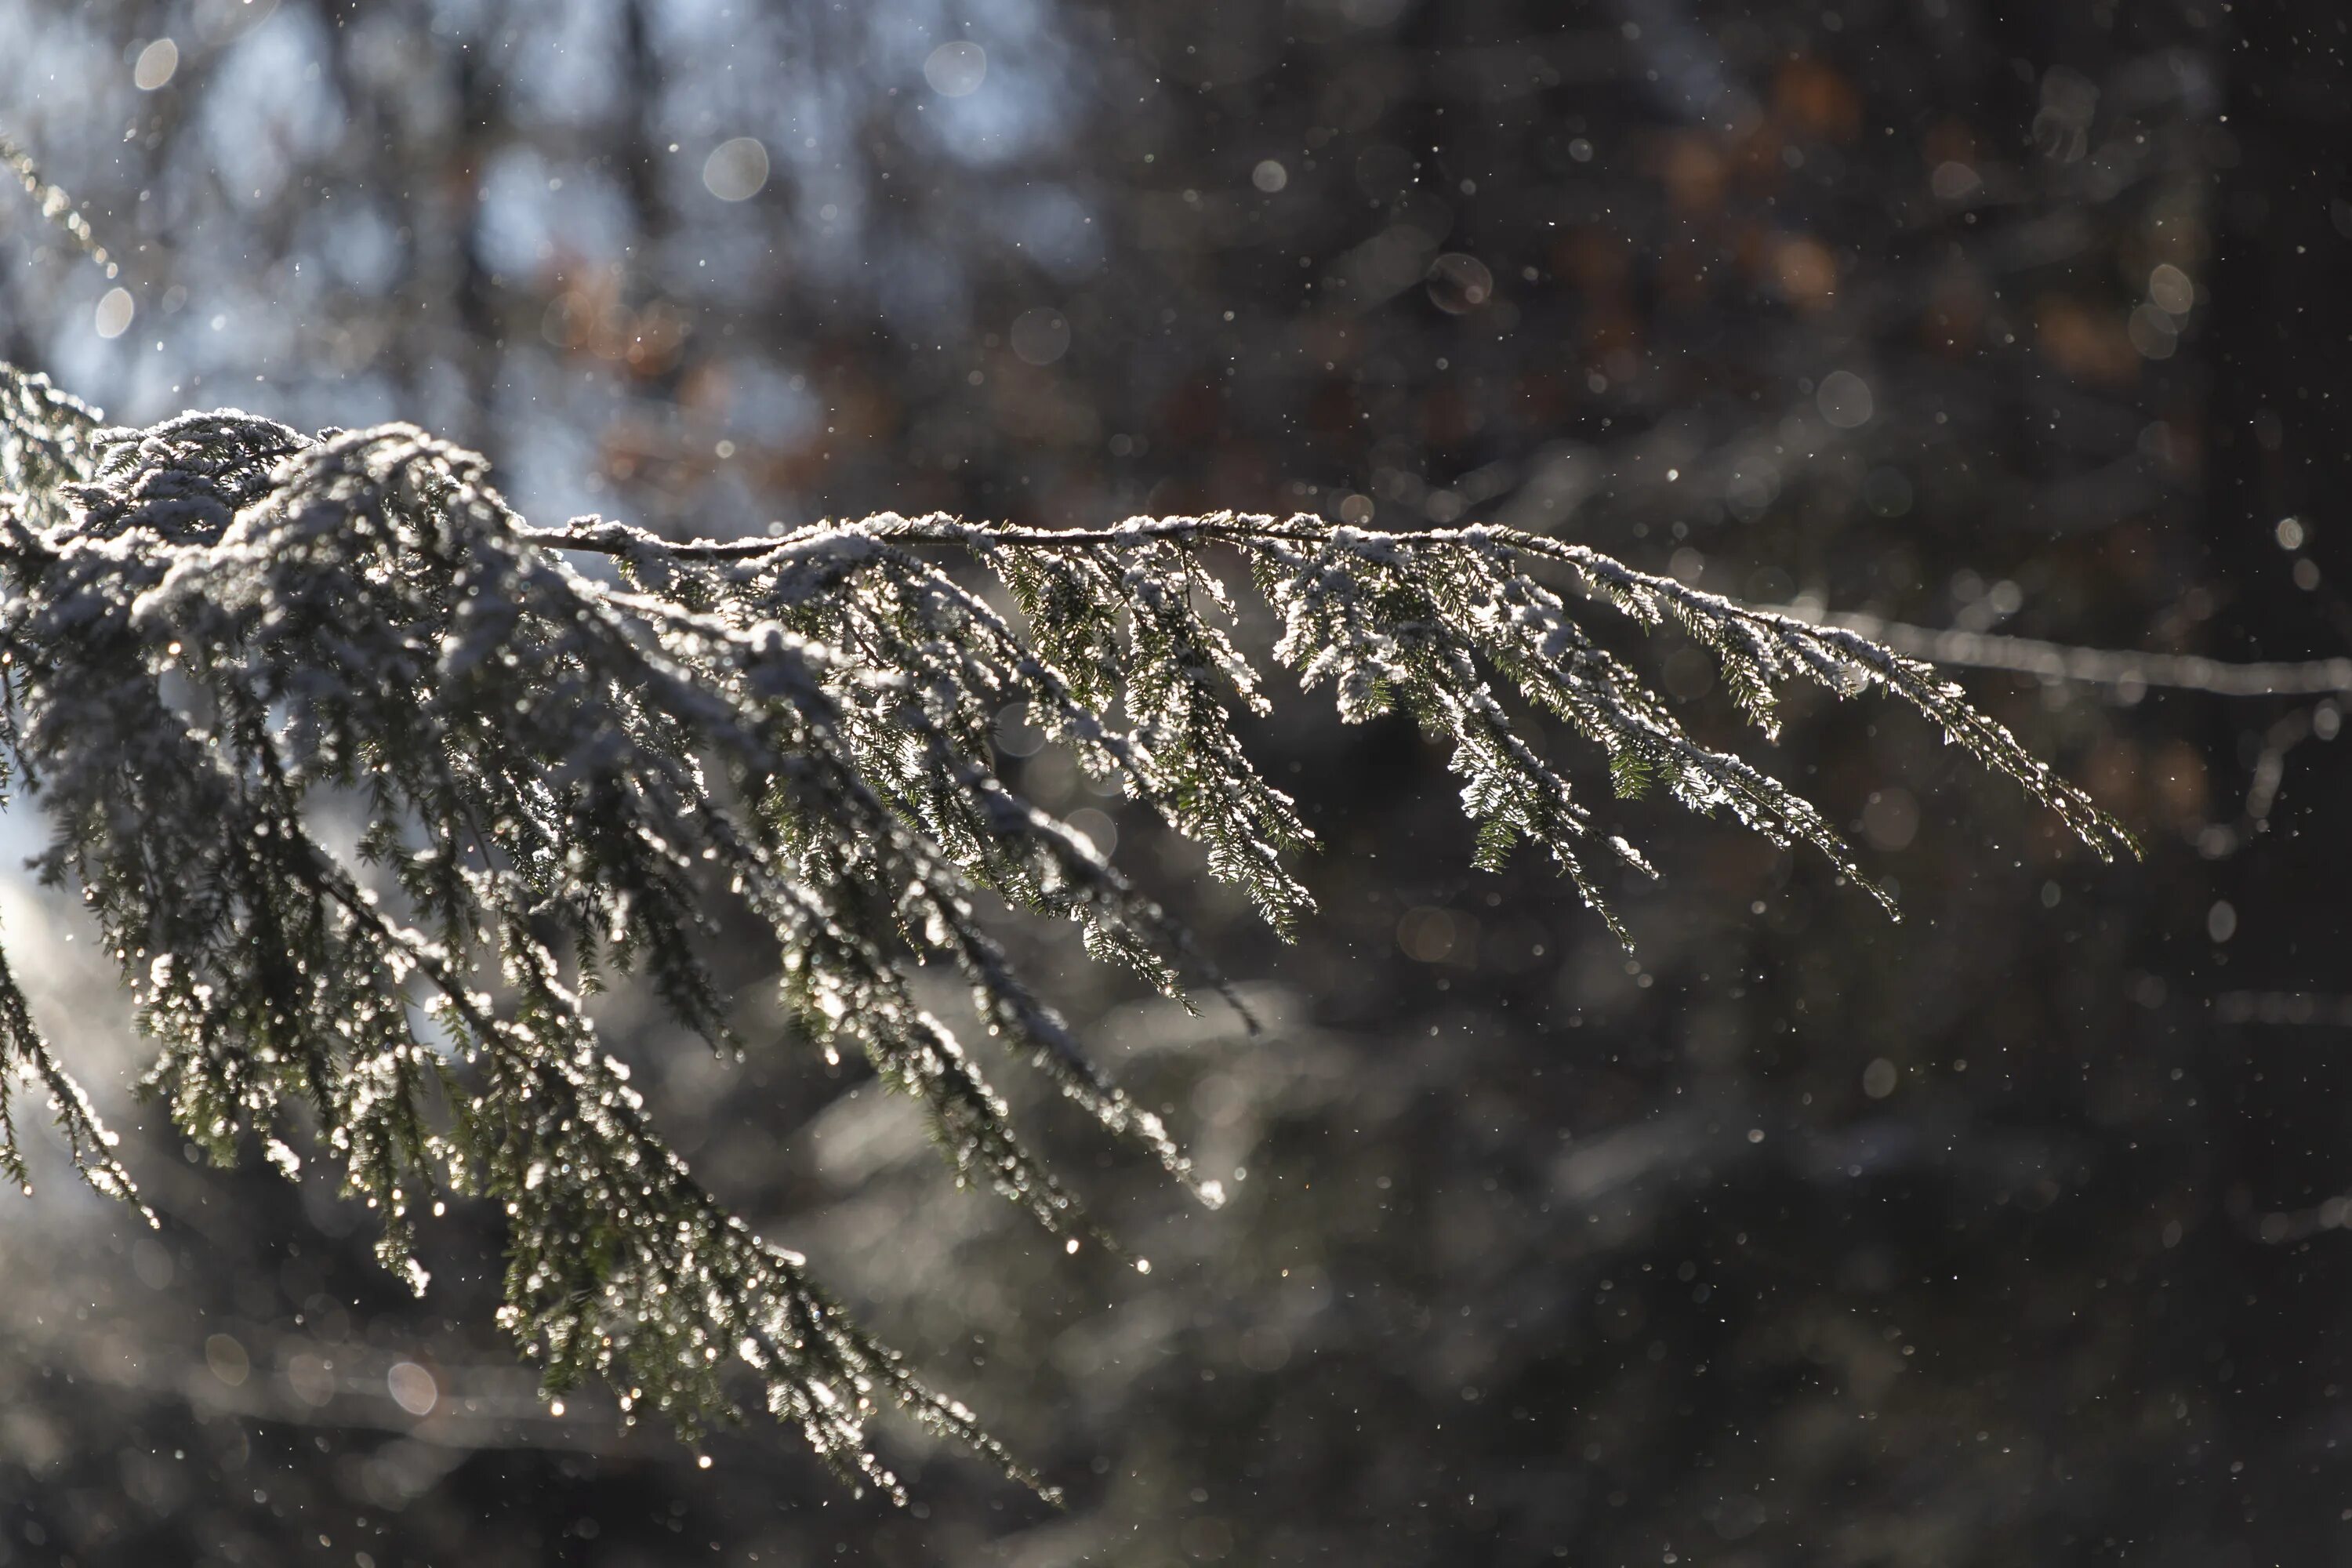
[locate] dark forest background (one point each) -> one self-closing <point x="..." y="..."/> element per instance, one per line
<point x="2011" y="1233"/>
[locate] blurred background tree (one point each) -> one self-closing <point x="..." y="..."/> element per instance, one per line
<point x="2008" y="1232"/>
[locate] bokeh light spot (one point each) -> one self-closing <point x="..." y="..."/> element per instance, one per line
<point x="735" y="169"/>
<point x="1459" y="284"/>
<point x="2171" y="290"/>
<point x="1041" y="336"/>
<point x="114" y="313"/>
<point x="155" y="66"/>
<point x="411" y="1388"/>
<point x="227" y="1360"/>
<point x="957" y="69"/>
<point x="1845" y="400"/>
<point x="1891" y="820"/>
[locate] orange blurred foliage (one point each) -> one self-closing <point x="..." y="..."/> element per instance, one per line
<point x="2088" y="343"/>
<point x="1815" y="97"/>
<point x="1691" y="165"/>
<point x="1805" y="272"/>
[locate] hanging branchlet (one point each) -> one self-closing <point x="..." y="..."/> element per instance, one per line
<point x="210" y="626"/>
<point x="56" y="203"/>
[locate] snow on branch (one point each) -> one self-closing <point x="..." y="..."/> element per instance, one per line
<point x="565" y="779"/>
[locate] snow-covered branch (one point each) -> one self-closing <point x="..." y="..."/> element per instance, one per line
<point x="208" y="623"/>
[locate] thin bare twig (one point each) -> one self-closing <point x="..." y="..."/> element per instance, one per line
<point x="2303" y="1007"/>
<point x="2124" y="670"/>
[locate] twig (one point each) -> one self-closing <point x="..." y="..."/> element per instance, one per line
<point x="2302" y="1008"/>
<point x="2124" y="670"/>
<point x="55" y="204"/>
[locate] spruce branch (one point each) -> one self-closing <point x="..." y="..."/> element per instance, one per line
<point x="210" y="626"/>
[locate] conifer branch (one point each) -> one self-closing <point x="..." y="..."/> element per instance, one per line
<point x="210" y="625"/>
